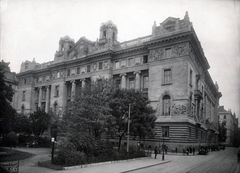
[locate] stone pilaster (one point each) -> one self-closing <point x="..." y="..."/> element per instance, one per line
<point x="73" y="89"/>
<point x="137" y="80"/>
<point x="39" y="97"/>
<point x="124" y="80"/>
<point x="47" y="99"/>
<point x="83" y="83"/>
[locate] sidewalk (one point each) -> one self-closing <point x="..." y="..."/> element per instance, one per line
<point x="120" y="167"/>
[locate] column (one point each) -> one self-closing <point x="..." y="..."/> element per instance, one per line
<point x="137" y="80"/>
<point x="73" y="89"/>
<point x="39" y="97"/>
<point x="83" y="83"/>
<point x="123" y="81"/>
<point x="47" y="99"/>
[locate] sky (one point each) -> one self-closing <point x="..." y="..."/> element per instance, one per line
<point x="32" y="29"/>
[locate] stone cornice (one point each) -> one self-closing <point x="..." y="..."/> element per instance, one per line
<point x="167" y="39"/>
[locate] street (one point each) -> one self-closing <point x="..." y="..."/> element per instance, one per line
<point x="223" y="161"/>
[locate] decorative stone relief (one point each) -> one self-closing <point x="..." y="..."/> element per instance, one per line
<point x="105" y="65"/>
<point x="94" y="67"/>
<point x="180" y="109"/>
<point x="181" y="49"/>
<point x="156" y="54"/>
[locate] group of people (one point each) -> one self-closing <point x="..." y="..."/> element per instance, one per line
<point x="159" y="150"/>
<point x="189" y="150"/>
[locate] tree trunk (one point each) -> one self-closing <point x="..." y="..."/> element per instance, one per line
<point x="120" y="139"/>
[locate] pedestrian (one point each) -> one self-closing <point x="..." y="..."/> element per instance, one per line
<point x="193" y="150"/>
<point x="187" y="150"/>
<point x="156" y="152"/>
<point x="176" y="150"/>
<point x="238" y="154"/>
<point x="159" y="150"/>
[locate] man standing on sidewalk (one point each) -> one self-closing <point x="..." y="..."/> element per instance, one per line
<point x="156" y="152"/>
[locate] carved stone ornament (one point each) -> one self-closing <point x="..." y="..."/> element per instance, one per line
<point x="156" y="54"/>
<point x="105" y="65"/>
<point x="181" y="49"/>
<point x="180" y="109"/>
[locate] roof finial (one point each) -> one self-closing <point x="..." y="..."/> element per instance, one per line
<point x="186" y="17"/>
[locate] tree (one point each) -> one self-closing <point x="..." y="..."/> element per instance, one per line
<point x="142" y="114"/>
<point x="103" y="108"/>
<point x="39" y="122"/>
<point x="7" y="113"/>
<point x="89" y="112"/>
<point x="222" y="131"/>
<point x="22" y="124"/>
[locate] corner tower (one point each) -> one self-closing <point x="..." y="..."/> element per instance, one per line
<point x="108" y="33"/>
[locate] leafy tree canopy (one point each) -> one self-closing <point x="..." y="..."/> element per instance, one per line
<point x="39" y="122"/>
<point x="102" y="107"/>
<point x="7" y="113"/>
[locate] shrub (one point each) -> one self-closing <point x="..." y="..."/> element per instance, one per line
<point x="68" y="155"/>
<point x="12" y="139"/>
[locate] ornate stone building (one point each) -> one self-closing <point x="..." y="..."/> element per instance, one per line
<point x="231" y="123"/>
<point x="168" y="66"/>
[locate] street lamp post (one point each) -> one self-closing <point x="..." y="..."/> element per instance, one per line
<point x="163" y="148"/>
<point x="53" y="140"/>
<point x="128" y="128"/>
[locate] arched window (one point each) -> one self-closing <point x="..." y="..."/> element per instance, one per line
<point x="166" y="105"/>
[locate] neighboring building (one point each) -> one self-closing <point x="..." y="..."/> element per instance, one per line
<point x="168" y="66"/>
<point x="228" y="118"/>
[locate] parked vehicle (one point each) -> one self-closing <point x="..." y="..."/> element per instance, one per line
<point x="202" y="151"/>
<point x="32" y="144"/>
<point x="222" y="147"/>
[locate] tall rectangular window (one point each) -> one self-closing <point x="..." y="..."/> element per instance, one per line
<point x="37" y="80"/>
<point x="68" y="72"/>
<point x="88" y="68"/>
<point x="145" y="59"/>
<point x="25" y="81"/>
<point x="168" y="52"/>
<point x="145" y="82"/>
<point x="118" y="83"/>
<point x="131" y="83"/>
<point x="130" y="62"/>
<point x="165" y="131"/>
<point x="190" y="77"/>
<point x="78" y="70"/>
<point x="167" y="76"/>
<point x="224" y="116"/>
<point x="23" y="95"/>
<point x="100" y="65"/>
<point x="104" y="34"/>
<point x="57" y="91"/>
<point x="117" y="65"/>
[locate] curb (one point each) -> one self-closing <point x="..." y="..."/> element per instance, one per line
<point x="102" y="163"/>
<point x="146" y="166"/>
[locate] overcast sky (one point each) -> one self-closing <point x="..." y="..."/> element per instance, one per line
<point x="32" y="29"/>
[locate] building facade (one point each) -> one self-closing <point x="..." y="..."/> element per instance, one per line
<point x="168" y="66"/>
<point x="231" y="123"/>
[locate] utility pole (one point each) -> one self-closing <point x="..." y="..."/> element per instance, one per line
<point x="128" y="127"/>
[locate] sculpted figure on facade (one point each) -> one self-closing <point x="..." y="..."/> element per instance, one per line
<point x="179" y="109"/>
